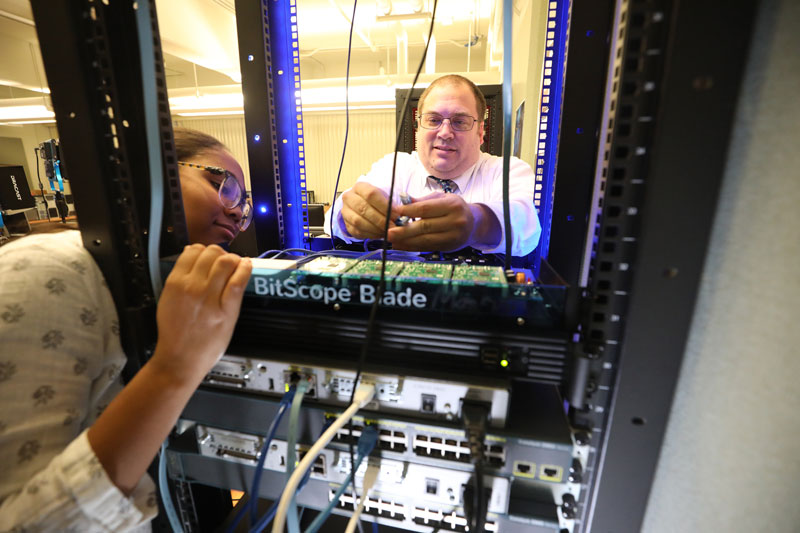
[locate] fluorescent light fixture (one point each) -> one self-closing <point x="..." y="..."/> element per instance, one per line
<point x="11" y="83"/>
<point x="25" y="112"/>
<point x="209" y="113"/>
<point x="352" y="108"/>
<point x="22" y="122"/>
<point x="210" y="102"/>
<point x="336" y="95"/>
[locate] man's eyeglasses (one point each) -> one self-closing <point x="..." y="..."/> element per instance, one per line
<point x="230" y="192"/>
<point x="432" y="121"/>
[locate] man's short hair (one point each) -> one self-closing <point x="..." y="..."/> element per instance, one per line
<point x="455" y="79"/>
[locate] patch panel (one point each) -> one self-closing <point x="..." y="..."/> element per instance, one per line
<point x="396" y="479"/>
<point x="374" y="505"/>
<point x="445" y="521"/>
<point x="429" y="442"/>
<point x="455" y="450"/>
<point x="394" y="394"/>
<point x="388" y="439"/>
<point x="388" y="508"/>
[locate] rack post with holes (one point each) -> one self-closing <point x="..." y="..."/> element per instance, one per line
<point x="92" y="55"/>
<point x="270" y="65"/>
<point x="663" y="159"/>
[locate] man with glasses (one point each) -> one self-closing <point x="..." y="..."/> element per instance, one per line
<point x="455" y="191"/>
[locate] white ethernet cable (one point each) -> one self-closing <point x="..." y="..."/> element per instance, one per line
<point x="364" y="394"/>
<point x="369" y="480"/>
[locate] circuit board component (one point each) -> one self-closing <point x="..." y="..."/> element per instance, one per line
<point x="371" y="268"/>
<point x="328" y="265"/>
<point x="464" y="273"/>
<point x="421" y="270"/>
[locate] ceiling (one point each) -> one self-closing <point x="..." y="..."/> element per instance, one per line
<point x="202" y="61"/>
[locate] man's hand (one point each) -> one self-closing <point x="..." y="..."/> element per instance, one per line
<point x="198" y="309"/>
<point x="444" y="222"/>
<point x="364" y="211"/>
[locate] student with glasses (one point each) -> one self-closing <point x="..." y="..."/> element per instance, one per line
<point x="212" y="186"/>
<point x="455" y="189"/>
<point x="74" y="441"/>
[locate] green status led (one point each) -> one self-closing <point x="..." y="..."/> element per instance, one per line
<point x="504" y="363"/>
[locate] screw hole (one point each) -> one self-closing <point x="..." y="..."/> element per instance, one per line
<point x="670" y="272"/>
<point x="638" y="421"/>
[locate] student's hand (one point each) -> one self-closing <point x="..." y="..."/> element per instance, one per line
<point x="198" y="309"/>
<point x="364" y="211"/>
<point x="444" y="222"/>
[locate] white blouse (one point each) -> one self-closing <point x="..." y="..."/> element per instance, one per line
<point x="60" y="364"/>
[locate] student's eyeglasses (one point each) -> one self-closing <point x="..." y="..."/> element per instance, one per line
<point x="432" y="121"/>
<point x="230" y="192"/>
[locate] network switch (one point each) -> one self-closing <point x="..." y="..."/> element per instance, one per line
<point x="395" y="478"/>
<point x="395" y="394"/>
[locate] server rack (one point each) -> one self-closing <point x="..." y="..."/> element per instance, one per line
<point x="668" y="62"/>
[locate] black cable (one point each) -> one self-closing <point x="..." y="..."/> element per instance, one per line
<point x="41" y="187"/>
<point x="475" y="417"/>
<point x="333" y="209"/>
<point x="346" y="123"/>
<point x="382" y="281"/>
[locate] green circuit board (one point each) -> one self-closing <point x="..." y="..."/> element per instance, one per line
<point x="328" y="265"/>
<point x="431" y="271"/>
<point x="479" y="274"/>
<point x="372" y="268"/>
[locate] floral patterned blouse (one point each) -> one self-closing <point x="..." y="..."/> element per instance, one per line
<point x="60" y="363"/>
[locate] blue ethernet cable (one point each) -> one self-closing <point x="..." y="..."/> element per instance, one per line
<point x="366" y="443"/>
<point x="291" y="442"/>
<point x="270" y="514"/>
<point x="251" y="504"/>
<point x="294" y="417"/>
<point x="163" y="488"/>
<point x="292" y="521"/>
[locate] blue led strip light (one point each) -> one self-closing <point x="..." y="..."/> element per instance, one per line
<point x="555" y="55"/>
<point x="289" y="121"/>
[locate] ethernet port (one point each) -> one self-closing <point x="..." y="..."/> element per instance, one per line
<point x="524" y="469"/>
<point x="319" y="466"/>
<point x="292" y="377"/>
<point x="551" y="473"/>
<point x="432" y="486"/>
<point x="495" y="461"/>
<point x="428" y="403"/>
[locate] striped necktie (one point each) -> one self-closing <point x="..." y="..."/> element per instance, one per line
<point x="446" y="185"/>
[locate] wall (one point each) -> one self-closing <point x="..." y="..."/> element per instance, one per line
<point x="730" y="460"/>
<point x="371" y="136"/>
<point x="529" y="29"/>
<point x="30" y="135"/>
<point x="228" y="130"/>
